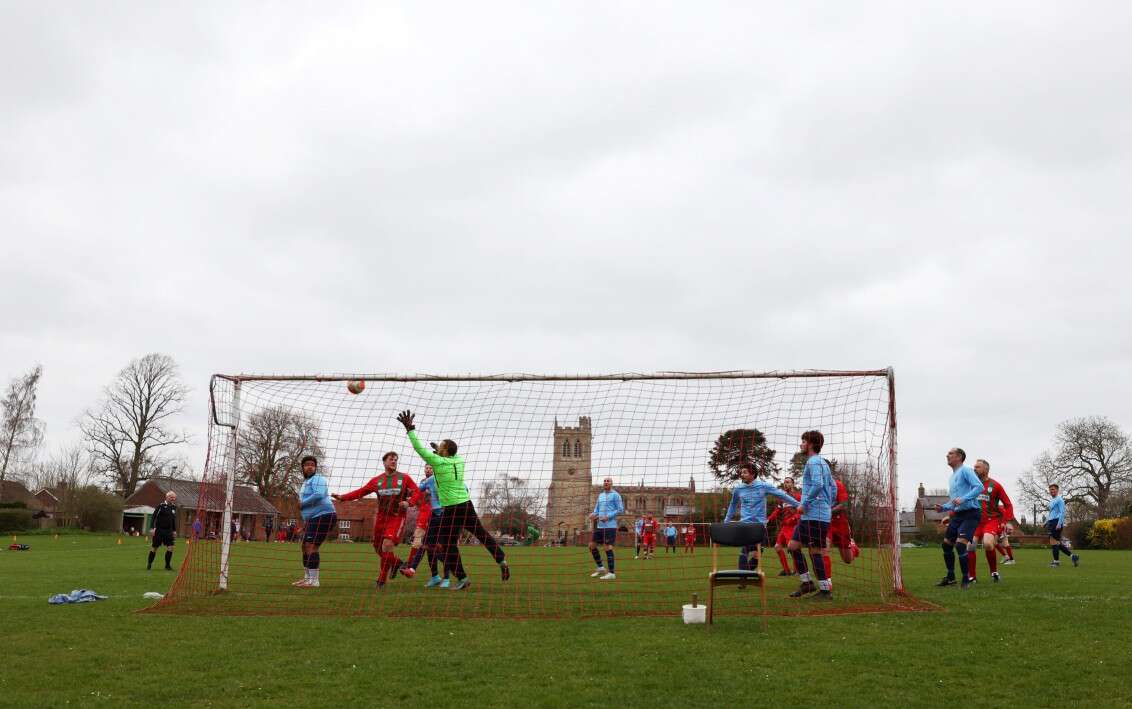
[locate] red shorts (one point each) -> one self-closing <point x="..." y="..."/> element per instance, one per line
<point x="839" y="532"/>
<point x="387" y="528"/>
<point x="649" y="540"/>
<point x="784" y="535"/>
<point x="991" y="526"/>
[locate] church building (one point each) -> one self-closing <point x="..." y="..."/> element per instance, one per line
<point x="574" y="489"/>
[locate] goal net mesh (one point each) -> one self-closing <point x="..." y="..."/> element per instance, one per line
<point x="537" y="450"/>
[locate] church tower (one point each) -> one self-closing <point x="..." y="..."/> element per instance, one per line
<point x="569" y="498"/>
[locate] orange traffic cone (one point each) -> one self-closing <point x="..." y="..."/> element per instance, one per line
<point x="119" y="540"/>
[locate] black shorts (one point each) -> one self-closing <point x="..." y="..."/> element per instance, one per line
<point x="432" y="534"/>
<point x="162" y="537"/>
<point x="605" y="536"/>
<point x="319" y="528"/>
<point x="1051" y="529"/>
<point x="962" y="524"/>
<point x="811" y="533"/>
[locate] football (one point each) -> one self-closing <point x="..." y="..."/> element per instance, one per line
<point x="356" y="387"/>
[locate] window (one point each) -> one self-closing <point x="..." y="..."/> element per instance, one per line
<point x="641" y="503"/>
<point x="343" y="537"/>
<point x="344" y="524"/>
<point x="577" y="449"/>
<point x="565" y="449"/>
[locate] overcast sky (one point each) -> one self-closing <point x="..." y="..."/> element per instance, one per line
<point x="565" y="187"/>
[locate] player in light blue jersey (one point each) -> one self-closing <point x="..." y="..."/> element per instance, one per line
<point x="638" y="528"/>
<point x="749" y="501"/>
<point x="320" y="519"/>
<point x="606" y="509"/>
<point x="963" y="490"/>
<point x="815" y="510"/>
<point x="1055" y="521"/>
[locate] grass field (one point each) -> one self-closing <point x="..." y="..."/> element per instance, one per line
<point x="1045" y="637"/>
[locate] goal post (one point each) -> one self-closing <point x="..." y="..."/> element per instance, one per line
<point x="536" y="449"/>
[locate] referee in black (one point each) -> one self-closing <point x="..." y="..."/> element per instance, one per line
<point x="164" y="529"/>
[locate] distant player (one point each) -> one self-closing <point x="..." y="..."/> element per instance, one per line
<point x="319" y="519"/>
<point x="648" y="536"/>
<point x="395" y="492"/>
<point x="689" y="539"/>
<point x="638" y="531"/>
<point x="964" y="489"/>
<point x="996" y="514"/>
<point x="459" y="512"/>
<point x="1004" y="548"/>
<point x="748" y="501"/>
<point x="1054" y="524"/>
<point x="669" y="537"/>
<point x="606" y="509"/>
<point x="787" y="517"/>
<point x="428" y="525"/>
<point x="164" y="530"/>
<point x="819" y="493"/>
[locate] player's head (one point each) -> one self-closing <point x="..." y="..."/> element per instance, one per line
<point x="309" y="465"/>
<point x="428" y="471"/>
<point x="746" y="473"/>
<point x="956" y="456"/>
<point x="607" y="484"/>
<point x="1054" y="489"/>
<point x="170" y="497"/>
<point x="788" y="484"/>
<point x="446" y="448"/>
<point x="390" y="461"/>
<point x="812" y="442"/>
<point x="982" y="469"/>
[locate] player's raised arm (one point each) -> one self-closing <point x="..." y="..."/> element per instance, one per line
<point x="406" y="419"/>
<point x="355" y="494"/>
<point x="787" y="498"/>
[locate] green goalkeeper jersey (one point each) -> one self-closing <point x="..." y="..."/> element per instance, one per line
<point x="449" y="473"/>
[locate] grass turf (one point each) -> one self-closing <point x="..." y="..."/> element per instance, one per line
<point x="1045" y="637"/>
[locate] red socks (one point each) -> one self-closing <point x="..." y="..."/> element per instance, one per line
<point x="828" y="567"/>
<point x="971" y="556"/>
<point x="387" y="559"/>
<point x="782" y="559"/>
<point x="992" y="560"/>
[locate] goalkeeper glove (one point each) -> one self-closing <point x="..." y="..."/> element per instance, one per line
<point x="406" y="419"/>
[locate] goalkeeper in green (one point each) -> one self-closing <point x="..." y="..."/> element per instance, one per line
<point x="458" y="513"/>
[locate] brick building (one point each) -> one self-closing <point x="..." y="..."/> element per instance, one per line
<point x="249" y="509"/>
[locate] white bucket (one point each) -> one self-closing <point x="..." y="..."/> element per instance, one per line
<point x="695" y="614"/>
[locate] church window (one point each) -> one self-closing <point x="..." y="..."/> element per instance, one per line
<point x="565" y="449"/>
<point x="577" y="449"/>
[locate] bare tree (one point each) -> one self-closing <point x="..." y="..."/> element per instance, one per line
<point x="65" y="473"/>
<point x="132" y="427"/>
<point x="1091" y="462"/>
<point x="869" y="510"/>
<point x="271" y="444"/>
<point x="509" y="503"/>
<point x="66" y="467"/>
<point x="20" y="431"/>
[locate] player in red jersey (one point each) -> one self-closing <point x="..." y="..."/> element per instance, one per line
<point x="839" y="533"/>
<point x="997" y="514"/>
<point x="648" y="532"/>
<point x="788" y="519"/>
<point x="395" y="492"/>
<point x="689" y="539"/>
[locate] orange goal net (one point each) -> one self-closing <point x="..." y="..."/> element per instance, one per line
<point x="535" y="453"/>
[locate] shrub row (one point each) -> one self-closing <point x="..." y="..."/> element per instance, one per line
<point x="15" y="520"/>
